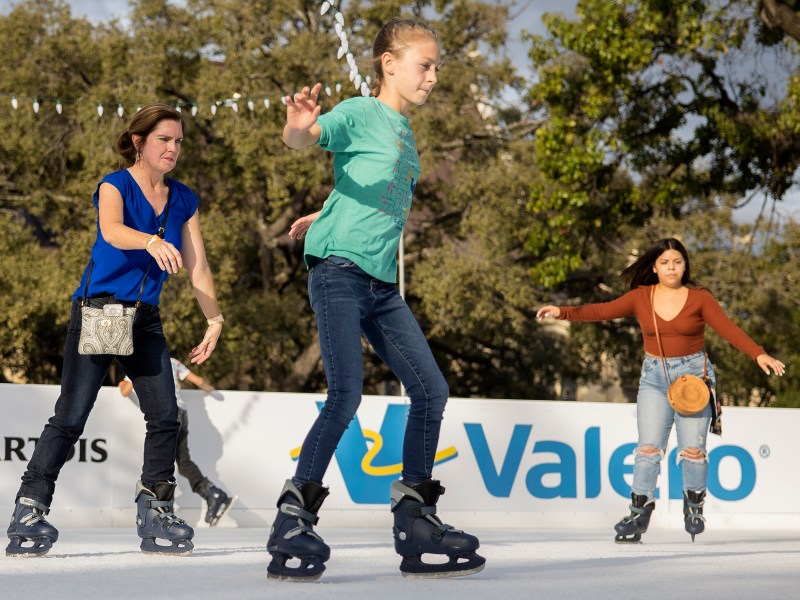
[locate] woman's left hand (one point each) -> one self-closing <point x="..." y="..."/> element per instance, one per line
<point x="203" y="350"/>
<point x="766" y="362"/>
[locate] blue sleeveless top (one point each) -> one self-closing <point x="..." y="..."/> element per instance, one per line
<point x="119" y="273"/>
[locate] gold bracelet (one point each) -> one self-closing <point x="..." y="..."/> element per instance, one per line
<point x="218" y="319"/>
<point x="151" y="241"/>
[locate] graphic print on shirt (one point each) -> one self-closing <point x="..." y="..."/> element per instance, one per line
<point x="396" y="202"/>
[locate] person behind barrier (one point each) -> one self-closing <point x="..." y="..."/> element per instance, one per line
<point x="148" y="227"/>
<point x="351" y="252"/>
<point x="663" y="292"/>
<point x="217" y="501"/>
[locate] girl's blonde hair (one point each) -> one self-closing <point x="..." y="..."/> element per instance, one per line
<point x="395" y="37"/>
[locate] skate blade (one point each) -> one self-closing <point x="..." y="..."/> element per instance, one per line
<point x="443" y="574"/>
<point x="413" y="566"/>
<point x="178" y="548"/>
<point x="223" y="512"/>
<point x="15" y="549"/>
<point x="635" y="539"/>
<point x="310" y="569"/>
<point x="293" y="578"/>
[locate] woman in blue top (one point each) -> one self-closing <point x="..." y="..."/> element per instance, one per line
<point x="132" y="205"/>
<point x="351" y="250"/>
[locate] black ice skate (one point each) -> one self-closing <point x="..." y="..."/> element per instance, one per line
<point x="219" y="503"/>
<point x="630" y="529"/>
<point x="156" y="519"/>
<point x="693" y="520"/>
<point x="293" y="536"/>
<point x="417" y="531"/>
<point x="29" y="525"/>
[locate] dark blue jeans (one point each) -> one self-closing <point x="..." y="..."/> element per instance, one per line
<point x="347" y="301"/>
<point x="151" y="373"/>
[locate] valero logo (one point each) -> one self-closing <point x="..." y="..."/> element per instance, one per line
<point x="371" y="460"/>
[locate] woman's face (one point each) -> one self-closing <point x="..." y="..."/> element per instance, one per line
<point x="162" y="146"/>
<point x="670" y="267"/>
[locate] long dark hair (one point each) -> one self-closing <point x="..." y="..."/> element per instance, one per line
<point x="640" y="272"/>
<point x="143" y="122"/>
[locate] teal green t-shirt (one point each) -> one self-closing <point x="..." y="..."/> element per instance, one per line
<point x="376" y="168"/>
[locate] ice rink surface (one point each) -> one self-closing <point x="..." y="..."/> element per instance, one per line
<point x="94" y="564"/>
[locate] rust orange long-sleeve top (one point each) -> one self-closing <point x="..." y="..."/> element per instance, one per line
<point x="681" y="336"/>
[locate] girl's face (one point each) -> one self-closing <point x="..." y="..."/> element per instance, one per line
<point x="670" y="267"/>
<point x="162" y="146"/>
<point x="414" y="71"/>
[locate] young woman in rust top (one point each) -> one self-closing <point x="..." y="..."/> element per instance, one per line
<point x="682" y="310"/>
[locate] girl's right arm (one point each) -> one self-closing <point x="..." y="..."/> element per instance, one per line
<point x="624" y="306"/>
<point x="302" y="110"/>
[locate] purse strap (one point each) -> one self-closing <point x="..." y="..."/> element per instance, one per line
<point x="658" y="338"/>
<point x="159" y="233"/>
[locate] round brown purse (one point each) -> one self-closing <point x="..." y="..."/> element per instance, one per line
<point x="688" y="394"/>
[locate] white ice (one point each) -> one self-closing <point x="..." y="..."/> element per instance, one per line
<point x="95" y="564"/>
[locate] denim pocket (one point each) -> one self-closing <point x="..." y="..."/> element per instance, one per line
<point x="340" y="262"/>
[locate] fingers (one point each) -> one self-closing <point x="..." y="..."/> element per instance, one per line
<point x="547" y="312"/>
<point x="305" y="99"/>
<point x="167" y="256"/>
<point x="203" y="350"/>
<point x="766" y="362"/>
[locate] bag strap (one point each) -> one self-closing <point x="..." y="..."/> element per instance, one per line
<point x="658" y="338"/>
<point x="159" y="233"/>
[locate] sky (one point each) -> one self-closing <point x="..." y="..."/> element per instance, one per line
<point x="527" y="14"/>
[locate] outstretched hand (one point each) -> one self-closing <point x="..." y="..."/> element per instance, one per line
<point x="548" y="312"/>
<point x="302" y="109"/>
<point x="299" y="228"/>
<point x="203" y="350"/>
<point x="766" y="362"/>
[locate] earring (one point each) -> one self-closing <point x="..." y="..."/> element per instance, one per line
<point x="138" y="157"/>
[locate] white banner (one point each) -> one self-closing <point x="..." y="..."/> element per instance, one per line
<point x="505" y="463"/>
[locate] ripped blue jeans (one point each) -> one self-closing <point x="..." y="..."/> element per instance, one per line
<point x="655" y="417"/>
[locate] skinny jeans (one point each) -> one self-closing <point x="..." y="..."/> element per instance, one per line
<point x="347" y="302"/>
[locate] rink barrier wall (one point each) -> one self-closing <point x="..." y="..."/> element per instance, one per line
<point x="504" y="463"/>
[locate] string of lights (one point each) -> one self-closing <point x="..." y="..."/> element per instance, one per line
<point x="42" y="102"/>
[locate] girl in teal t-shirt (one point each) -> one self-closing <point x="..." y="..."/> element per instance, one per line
<point x="351" y="248"/>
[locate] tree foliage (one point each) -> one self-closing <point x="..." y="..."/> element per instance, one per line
<point x="635" y="126"/>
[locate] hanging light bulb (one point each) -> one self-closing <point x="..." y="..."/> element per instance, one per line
<point x="138" y="107"/>
<point x="357" y="80"/>
<point x="177" y="107"/>
<point x="100" y="110"/>
<point x="59" y="108"/>
<point x="14" y="103"/>
<point x="339" y="18"/>
<point x="325" y="7"/>
<point x="328" y="90"/>
<point x="266" y="102"/>
<point x="341" y="52"/>
<point x="368" y="79"/>
<point x="120" y="110"/>
<point x="338" y="87"/>
<point x="36" y="105"/>
<point x="213" y="109"/>
<point x="283" y="100"/>
<point x="194" y="109"/>
<point x="251" y="106"/>
<point x="365" y="91"/>
<point x="337" y="27"/>
<point x="235" y="107"/>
